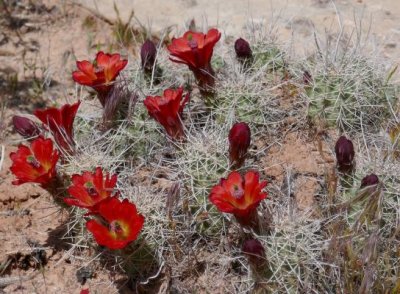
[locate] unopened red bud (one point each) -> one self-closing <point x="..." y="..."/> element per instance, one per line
<point x="239" y="142"/>
<point x="344" y="150"/>
<point x="242" y="49"/>
<point x="25" y="127"/>
<point x="148" y="55"/>
<point x="254" y="250"/>
<point x="370" y="180"/>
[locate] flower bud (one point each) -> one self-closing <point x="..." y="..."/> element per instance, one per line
<point x="242" y="49"/>
<point x="370" y="180"/>
<point x="344" y="150"/>
<point x="148" y="54"/>
<point x="239" y="142"/>
<point x="25" y="127"/>
<point x="254" y="251"/>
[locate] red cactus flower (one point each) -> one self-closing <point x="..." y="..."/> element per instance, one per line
<point x="195" y="50"/>
<point x="84" y="291"/>
<point x="89" y="189"/>
<point x="35" y="164"/>
<point x="120" y="223"/>
<point x="167" y="110"/>
<point x="344" y="150"/>
<point x="25" y="127"/>
<point x="237" y="195"/>
<point x="60" y="121"/>
<point x="100" y="74"/>
<point x="239" y="142"/>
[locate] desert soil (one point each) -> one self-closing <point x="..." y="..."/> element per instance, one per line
<point x="301" y="17"/>
<point x="38" y="48"/>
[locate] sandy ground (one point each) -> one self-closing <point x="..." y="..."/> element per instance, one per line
<point x="301" y="17"/>
<point x="46" y="50"/>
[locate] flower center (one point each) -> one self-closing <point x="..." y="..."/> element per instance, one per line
<point x="237" y="192"/>
<point x="90" y="189"/>
<point x="193" y="44"/>
<point x="98" y="69"/>
<point x="163" y="100"/>
<point x="115" y="227"/>
<point x="33" y="161"/>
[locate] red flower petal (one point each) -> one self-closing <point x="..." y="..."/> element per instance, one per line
<point x="86" y="68"/>
<point x="102" y="59"/>
<point x="124" y="223"/>
<point x="194" y="49"/>
<point x="44" y="153"/>
<point x="60" y="122"/>
<point x="36" y="164"/>
<point x="101" y="74"/>
<point x="167" y="110"/>
<point x="89" y="189"/>
<point x="81" y="78"/>
<point x="68" y="113"/>
<point x="238" y="195"/>
<point x="111" y="65"/>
